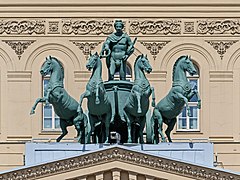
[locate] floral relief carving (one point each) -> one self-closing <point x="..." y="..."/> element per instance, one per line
<point x="189" y="27"/>
<point x="22" y="27"/>
<point x="80" y="27"/>
<point x="221" y="46"/>
<point x="19" y="46"/>
<point x="53" y="27"/>
<point x="86" y="47"/>
<point x="123" y="155"/>
<point x="154" y="47"/>
<point x="155" y="27"/>
<point x="218" y="27"/>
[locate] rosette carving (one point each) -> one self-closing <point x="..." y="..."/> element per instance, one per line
<point x="80" y="27"/>
<point x="22" y="27"/>
<point x="155" y="27"/>
<point x="218" y="27"/>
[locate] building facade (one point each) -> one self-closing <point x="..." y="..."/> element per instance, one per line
<point x="209" y="32"/>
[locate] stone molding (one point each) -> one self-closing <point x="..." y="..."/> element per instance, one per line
<point x="19" y="46"/>
<point x="221" y="76"/>
<point x="221" y="46"/>
<point x="122" y="155"/>
<point x="22" y="27"/>
<point x="82" y="27"/>
<point x="218" y="27"/>
<point x="141" y="26"/>
<point x="169" y="26"/>
<point x="19" y="76"/>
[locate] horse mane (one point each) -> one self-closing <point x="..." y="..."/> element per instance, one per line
<point x="139" y="56"/>
<point x="175" y="65"/>
<point x="60" y="64"/>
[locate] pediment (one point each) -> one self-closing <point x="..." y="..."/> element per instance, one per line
<point x="117" y="159"/>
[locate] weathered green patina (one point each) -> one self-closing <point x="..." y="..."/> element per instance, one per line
<point x="64" y="105"/>
<point x="117" y="48"/>
<point x="137" y="103"/>
<point x="98" y="104"/>
<point x="171" y="106"/>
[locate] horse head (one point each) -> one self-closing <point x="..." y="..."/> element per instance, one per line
<point x="92" y="61"/>
<point x="188" y="65"/>
<point x="143" y="63"/>
<point x="46" y="67"/>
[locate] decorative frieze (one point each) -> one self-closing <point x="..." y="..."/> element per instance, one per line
<point x="154" y="47"/>
<point x="221" y="46"/>
<point x="218" y="27"/>
<point x="22" y="27"/>
<point x="81" y="27"/>
<point x="19" y="46"/>
<point x="155" y="27"/>
<point x="122" y="155"/>
<point x="86" y="47"/>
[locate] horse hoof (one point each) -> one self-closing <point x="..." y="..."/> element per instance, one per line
<point x="139" y="111"/>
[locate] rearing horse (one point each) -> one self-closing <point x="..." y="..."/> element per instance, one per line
<point x="137" y="103"/>
<point x="99" y="106"/>
<point x="181" y="92"/>
<point x="64" y="105"/>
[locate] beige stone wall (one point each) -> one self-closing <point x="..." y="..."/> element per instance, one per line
<point x="209" y="32"/>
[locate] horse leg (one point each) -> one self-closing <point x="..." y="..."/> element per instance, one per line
<point x="180" y="96"/>
<point x="142" y="123"/>
<point x="79" y="123"/>
<point x="170" y="127"/>
<point x="97" y="101"/>
<point x="129" y="127"/>
<point x="107" y="125"/>
<point x="43" y="99"/>
<point x="63" y="126"/>
<point x="92" y="128"/>
<point x="153" y="97"/>
<point x="157" y="115"/>
<point x="199" y="100"/>
<point x="84" y="95"/>
<point x="138" y="96"/>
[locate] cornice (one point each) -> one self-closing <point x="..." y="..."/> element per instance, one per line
<point x="117" y="153"/>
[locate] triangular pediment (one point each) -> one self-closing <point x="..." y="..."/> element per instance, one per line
<point x="121" y="161"/>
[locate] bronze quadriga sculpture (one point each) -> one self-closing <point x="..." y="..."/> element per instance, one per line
<point x="167" y="110"/>
<point x="98" y="104"/>
<point x="64" y="105"/>
<point x="137" y="103"/>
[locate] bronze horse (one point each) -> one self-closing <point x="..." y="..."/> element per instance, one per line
<point x="64" y="105"/>
<point x="137" y="103"/>
<point x="171" y="106"/>
<point x="99" y="106"/>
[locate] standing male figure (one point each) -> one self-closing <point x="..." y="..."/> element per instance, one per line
<point x="117" y="48"/>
